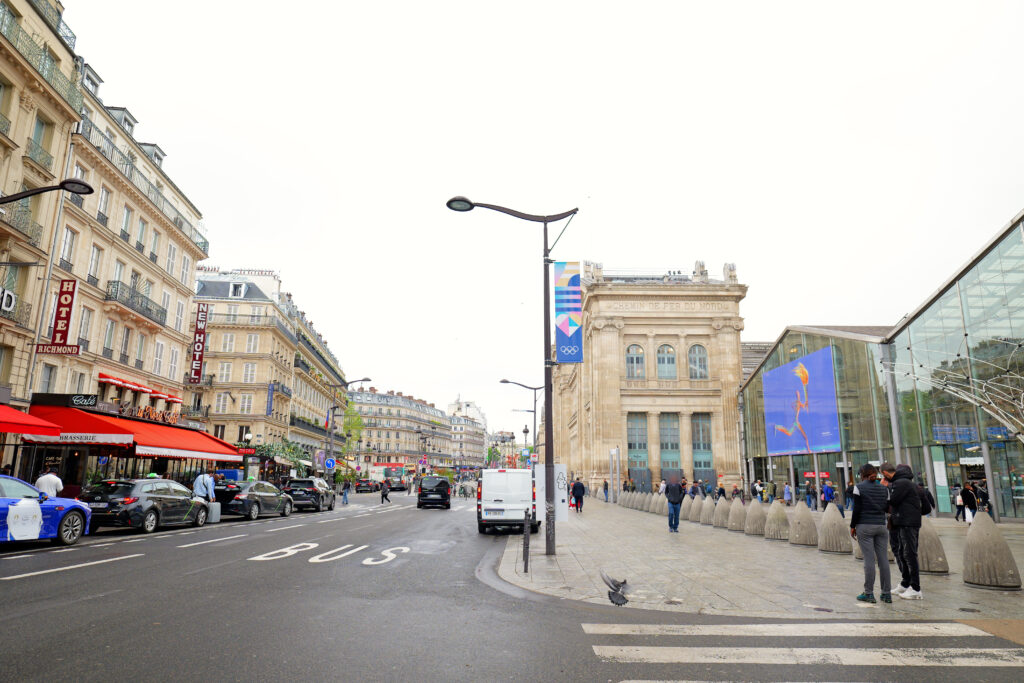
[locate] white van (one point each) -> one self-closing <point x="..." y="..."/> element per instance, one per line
<point x="503" y="497"/>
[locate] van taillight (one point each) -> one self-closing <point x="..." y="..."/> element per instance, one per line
<point x="478" y="487"/>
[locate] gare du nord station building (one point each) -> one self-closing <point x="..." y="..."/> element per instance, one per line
<point x="942" y="391"/>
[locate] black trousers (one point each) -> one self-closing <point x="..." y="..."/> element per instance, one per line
<point x="903" y="540"/>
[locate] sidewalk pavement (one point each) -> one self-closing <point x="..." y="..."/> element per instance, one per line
<point x="709" y="570"/>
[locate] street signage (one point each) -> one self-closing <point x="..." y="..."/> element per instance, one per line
<point x="195" y="368"/>
<point x="533" y="458"/>
<point x="568" y="312"/>
<point x="246" y="451"/>
<point x="810" y="475"/>
<point x="329" y="463"/>
<point x="62" y="322"/>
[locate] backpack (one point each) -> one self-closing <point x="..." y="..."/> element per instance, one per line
<point x="926" y="499"/>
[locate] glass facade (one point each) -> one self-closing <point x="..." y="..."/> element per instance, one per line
<point x="955" y="370"/>
<point x="668" y="430"/>
<point x="636" y="439"/>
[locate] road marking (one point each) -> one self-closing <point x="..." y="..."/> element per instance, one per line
<point x="939" y="656"/>
<point x="73" y="566"/>
<point x="17" y="557"/>
<point x="98" y="545"/>
<point x="282" y="528"/>
<point x="324" y="557"/>
<point x="834" y="630"/>
<point x="134" y="540"/>
<point x="336" y="519"/>
<point x="68" y="550"/>
<point x="388" y="556"/>
<point x="212" y="540"/>
<point x="365" y="514"/>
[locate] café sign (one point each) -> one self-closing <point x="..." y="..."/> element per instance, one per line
<point x="150" y="413"/>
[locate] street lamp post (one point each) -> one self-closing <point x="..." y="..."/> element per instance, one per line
<point x="534" y="390"/>
<point x="462" y="204"/>
<point x="330" y="423"/>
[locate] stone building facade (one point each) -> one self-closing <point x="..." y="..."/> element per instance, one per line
<point x="662" y="365"/>
<point x="399" y="428"/>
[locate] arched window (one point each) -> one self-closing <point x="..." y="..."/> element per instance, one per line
<point x="634" y="362"/>
<point x="666" y="362"/>
<point x="698" y="358"/>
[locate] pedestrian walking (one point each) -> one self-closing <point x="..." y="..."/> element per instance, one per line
<point x="578" y="491"/>
<point x="202" y="487"/>
<point x="605" y="487"/>
<point x="958" y="501"/>
<point x="720" y="493"/>
<point x="848" y="496"/>
<point x="736" y="493"/>
<point x="661" y="487"/>
<point x="769" y="490"/>
<point x="970" y="502"/>
<point x="787" y="494"/>
<point x="981" y="492"/>
<point x="828" y="494"/>
<point x="625" y="485"/>
<point x="345" y="487"/>
<point x="674" y="493"/>
<point x="384" y="491"/>
<point x="905" y="518"/>
<point x="867" y="526"/>
<point x="50" y="483"/>
<point x="755" y="489"/>
<point x="811" y="493"/>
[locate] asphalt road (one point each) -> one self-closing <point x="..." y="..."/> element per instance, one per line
<point x="372" y="593"/>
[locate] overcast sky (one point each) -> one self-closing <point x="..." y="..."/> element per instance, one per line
<point x="848" y="157"/>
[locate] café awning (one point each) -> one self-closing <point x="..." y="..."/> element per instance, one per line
<point x="16" y="422"/>
<point x="149" y="438"/>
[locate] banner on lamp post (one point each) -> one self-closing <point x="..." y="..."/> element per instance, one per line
<point x="568" y="313"/>
<point x="62" y="321"/>
<point x="195" y="368"/>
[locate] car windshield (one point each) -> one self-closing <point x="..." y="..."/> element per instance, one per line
<point x="111" y="488"/>
<point x="12" y="488"/>
<point x="434" y="482"/>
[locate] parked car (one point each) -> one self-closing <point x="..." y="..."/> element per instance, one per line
<point x="311" y="492"/>
<point x="145" y="504"/>
<point x="363" y="485"/>
<point x="27" y="514"/>
<point x="252" y="498"/>
<point x="434" y="491"/>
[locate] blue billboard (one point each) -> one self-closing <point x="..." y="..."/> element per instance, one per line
<point x="800" y="410"/>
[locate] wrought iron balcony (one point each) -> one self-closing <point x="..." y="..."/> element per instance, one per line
<point x="101" y="218"/>
<point x="93" y="280"/>
<point x="138" y="363"/>
<point x="39" y="58"/>
<point x="84" y="343"/>
<point x="125" y="236"/>
<point x="127" y="166"/>
<point x="5" y="125"/>
<point x="204" y="381"/>
<point x="53" y="17"/>
<point x="64" y="264"/>
<point x="152" y="256"/>
<point x="76" y="199"/>
<point x="19" y="216"/>
<point x="282" y="389"/>
<point x="301" y="364"/>
<point x="123" y="358"/>
<point x="140" y="247"/>
<point x="200" y="412"/>
<point x="108" y="353"/>
<point x="21" y="313"/>
<point x="39" y="155"/>
<point x="136" y="301"/>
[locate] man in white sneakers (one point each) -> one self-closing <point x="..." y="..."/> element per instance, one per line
<point x="905" y="515"/>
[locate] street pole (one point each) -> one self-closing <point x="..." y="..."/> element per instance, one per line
<point x="549" y="442"/>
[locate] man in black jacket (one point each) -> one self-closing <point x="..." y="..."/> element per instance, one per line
<point x="674" y="493"/>
<point x="867" y="526"/>
<point x="905" y="517"/>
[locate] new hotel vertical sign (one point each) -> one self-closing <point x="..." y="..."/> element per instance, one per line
<point x="195" y="368"/>
<point x="62" y="321"/>
<point x="568" y="313"/>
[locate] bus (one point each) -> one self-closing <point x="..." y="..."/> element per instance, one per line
<point x="394" y="472"/>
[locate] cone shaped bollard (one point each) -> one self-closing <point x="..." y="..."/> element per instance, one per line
<point x="722" y="513"/>
<point x="651" y="503"/>
<point x="756" y="518"/>
<point x="776" y="526"/>
<point x="698" y="503"/>
<point x="663" y="506"/>
<point x="988" y="562"/>
<point x="684" y="511"/>
<point x="802" y="530"/>
<point x="646" y="502"/>
<point x="628" y="499"/>
<point x="834" y="536"/>
<point x="655" y="502"/>
<point x="931" y="557"/>
<point x="707" y="511"/>
<point x="737" y="515"/>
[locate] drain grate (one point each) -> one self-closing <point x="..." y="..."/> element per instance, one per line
<point x="969" y="609"/>
<point x="822" y="609"/>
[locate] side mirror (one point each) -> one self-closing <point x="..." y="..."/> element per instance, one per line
<point x="42" y="496"/>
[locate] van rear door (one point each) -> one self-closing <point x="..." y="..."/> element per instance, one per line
<point x="505" y="495"/>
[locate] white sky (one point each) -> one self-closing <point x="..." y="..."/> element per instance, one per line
<point x="848" y="157"/>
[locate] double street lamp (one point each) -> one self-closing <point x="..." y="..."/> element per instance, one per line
<point x="462" y="204"/>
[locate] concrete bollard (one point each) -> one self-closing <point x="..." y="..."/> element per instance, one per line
<point x="802" y="530"/>
<point x="776" y="524"/>
<point x="756" y="517"/>
<point x="684" y="511"/>
<point x="698" y="503"/>
<point x="988" y="562"/>
<point x="663" y="506"/>
<point x="653" y="502"/>
<point x="931" y="557"/>
<point x="646" y="502"/>
<point x="624" y="499"/>
<point x="834" y="536"/>
<point x="631" y="500"/>
<point x="737" y="515"/>
<point x="707" y="511"/>
<point x="722" y="513"/>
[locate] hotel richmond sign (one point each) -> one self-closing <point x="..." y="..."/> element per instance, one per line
<point x="62" y="322"/>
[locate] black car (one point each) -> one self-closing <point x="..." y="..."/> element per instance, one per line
<point x="363" y="485"/>
<point x="434" y="491"/>
<point x="252" y="498"/>
<point x="145" y="504"/>
<point x="312" y="492"/>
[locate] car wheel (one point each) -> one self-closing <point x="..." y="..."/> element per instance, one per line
<point x="254" y="511"/>
<point x="419" y="506"/>
<point x="320" y="505"/>
<point x="287" y="509"/>
<point x="150" y="522"/>
<point x="447" y="506"/>
<point x="333" y="501"/>
<point x="200" y="517"/>
<point x="481" y="527"/>
<point x="71" y="529"/>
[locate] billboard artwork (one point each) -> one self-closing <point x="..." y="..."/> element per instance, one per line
<point x="568" y="312"/>
<point x="800" y="410"/>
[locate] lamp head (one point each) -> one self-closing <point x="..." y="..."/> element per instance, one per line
<point x="460" y="204"/>
<point x="505" y="381"/>
<point x="248" y="436"/>
<point x="76" y="186"/>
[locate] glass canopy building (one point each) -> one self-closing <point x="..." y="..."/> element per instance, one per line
<point x="942" y="391"/>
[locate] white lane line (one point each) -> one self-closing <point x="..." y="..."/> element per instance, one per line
<point x="98" y="545"/>
<point x="833" y="630"/>
<point x="828" y="656"/>
<point x="73" y="566"/>
<point x="282" y="528"/>
<point x="134" y="540"/>
<point x="365" y="514"/>
<point x="71" y="550"/>
<point x="212" y="540"/>
<point x="16" y="557"/>
<point x="336" y="519"/>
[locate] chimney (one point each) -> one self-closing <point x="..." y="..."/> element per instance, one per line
<point x="373" y="390"/>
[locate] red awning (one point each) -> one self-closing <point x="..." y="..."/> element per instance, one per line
<point x="109" y="379"/>
<point x="149" y="438"/>
<point x="173" y="399"/>
<point x="16" y="422"/>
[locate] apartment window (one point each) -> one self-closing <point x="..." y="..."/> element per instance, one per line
<point x="95" y="261"/>
<point x="700" y="429"/>
<point x="126" y="337"/>
<point x="76" y="382"/>
<point x="48" y="379"/>
<point x="155" y="246"/>
<point x="237" y="290"/>
<point x="252" y="343"/>
<point x="84" y="323"/>
<point x="172" y="364"/>
<point x="698" y="358"/>
<point x="140" y="347"/>
<point x="172" y="256"/>
<point x="143" y="229"/>
<point x="108" y="334"/>
<point x="255" y="314"/>
<point x="218" y="430"/>
<point x="636" y="439"/>
<point x="224" y="372"/>
<point x="179" y="315"/>
<point x="165" y="300"/>
<point x="147" y="288"/>
<point x="232" y="314"/>
<point x="186" y="270"/>
<point x="118" y="270"/>
<point x="126" y="219"/>
<point x="227" y="342"/>
<point x="245" y="404"/>
<point x="249" y="373"/>
<point x="39" y="131"/>
<point x="242" y="431"/>
<point x="67" y="249"/>
<point x="104" y="200"/>
<point x="79" y="172"/>
<point x="158" y="358"/>
<point x="634" y="362"/>
<point x="221" y="406"/>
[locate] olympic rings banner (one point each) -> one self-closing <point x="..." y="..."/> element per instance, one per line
<point x="568" y="313"/>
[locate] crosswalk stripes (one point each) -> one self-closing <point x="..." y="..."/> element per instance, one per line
<point x="905" y="645"/>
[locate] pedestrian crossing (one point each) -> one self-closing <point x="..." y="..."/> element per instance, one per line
<point x="906" y="645"/>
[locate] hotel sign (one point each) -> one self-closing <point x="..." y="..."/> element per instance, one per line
<point x="62" y="322"/>
<point x="195" y="369"/>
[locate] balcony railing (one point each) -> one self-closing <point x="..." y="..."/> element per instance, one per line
<point x="125" y="236"/>
<point x="141" y="248"/>
<point x="39" y="155"/>
<point x="38" y="56"/>
<point x="5" y="125"/>
<point x="205" y="381"/>
<point x="101" y="218"/>
<point x="195" y="412"/>
<point x="92" y="280"/>
<point x="19" y="216"/>
<point x="301" y="364"/>
<point x="293" y="421"/>
<point x="108" y="353"/>
<point x="21" y="313"/>
<point x="64" y="264"/>
<point x="282" y="389"/>
<point x="136" y="300"/>
<point x="84" y="343"/>
<point x="139" y="363"/>
<point x="123" y="358"/>
<point x="152" y="256"/>
<point x="52" y="16"/>
<point x="125" y="164"/>
<point x="76" y="199"/>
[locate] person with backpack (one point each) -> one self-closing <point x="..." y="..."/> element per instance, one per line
<point x="905" y="518"/>
<point x="927" y="500"/>
<point x="867" y="527"/>
<point x="384" y="491"/>
<point x="970" y="502"/>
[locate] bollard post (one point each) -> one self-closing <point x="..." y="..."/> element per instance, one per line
<point x="526" y="541"/>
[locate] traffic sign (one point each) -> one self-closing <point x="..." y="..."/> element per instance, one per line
<point x="533" y="458"/>
<point x="329" y="463"/>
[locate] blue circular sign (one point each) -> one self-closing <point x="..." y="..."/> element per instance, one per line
<point x="329" y="463"/>
<point x="103" y="460"/>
